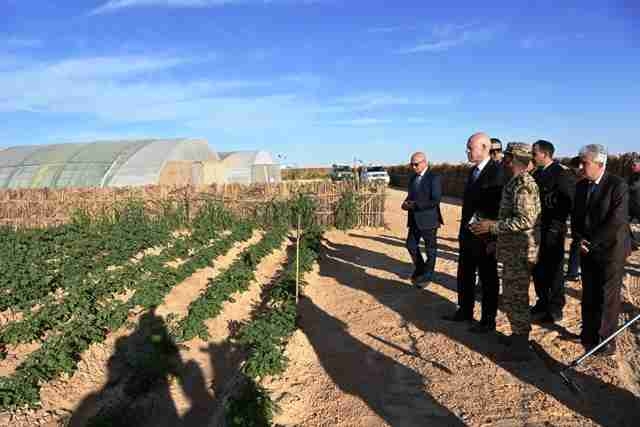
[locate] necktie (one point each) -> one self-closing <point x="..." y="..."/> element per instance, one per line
<point x="590" y="191"/>
<point x="475" y="174"/>
<point x="416" y="183"/>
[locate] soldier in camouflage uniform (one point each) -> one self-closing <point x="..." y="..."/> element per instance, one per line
<point x="518" y="233"/>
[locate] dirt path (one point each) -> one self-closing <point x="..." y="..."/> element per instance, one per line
<point x="374" y="351"/>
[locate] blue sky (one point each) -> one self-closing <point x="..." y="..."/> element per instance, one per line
<point x="320" y="81"/>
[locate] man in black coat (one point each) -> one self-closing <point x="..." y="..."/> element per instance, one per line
<point x="600" y="223"/>
<point x="634" y="197"/>
<point x="482" y="194"/>
<point x="424" y="218"/>
<point x="634" y="189"/>
<point x="557" y="190"/>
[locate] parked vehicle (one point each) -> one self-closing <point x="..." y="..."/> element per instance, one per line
<point x="341" y="173"/>
<point x="371" y="174"/>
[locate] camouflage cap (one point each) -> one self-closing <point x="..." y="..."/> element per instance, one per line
<point x="496" y="144"/>
<point x="518" y="149"/>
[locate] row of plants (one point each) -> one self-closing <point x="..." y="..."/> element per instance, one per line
<point x="152" y="279"/>
<point x="85" y="291"/>
<point x="37" y="262"/>
<point x="265" y="338"/>
<point x="220" y="289"/>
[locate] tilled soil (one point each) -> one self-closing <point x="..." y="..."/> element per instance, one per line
<point x="374" y="351"/>
<point x="371" y="350"/>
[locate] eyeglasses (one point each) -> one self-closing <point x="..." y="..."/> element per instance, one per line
<point x="415" y="164"/>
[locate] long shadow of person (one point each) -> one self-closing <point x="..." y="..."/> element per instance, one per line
<point x="140" y="372"/>
<point x="394" y="391"/>
<point x="602" y="403"/>
<point x="444" y="251"/>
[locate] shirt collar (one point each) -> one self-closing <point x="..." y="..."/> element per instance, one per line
<point x="482" y="164"/>
<point x="423" y="172"/>
<point x="546" y="167"/>
<point x="597" y="181"/>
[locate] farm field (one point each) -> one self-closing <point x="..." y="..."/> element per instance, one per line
<point x="173" y="322"/>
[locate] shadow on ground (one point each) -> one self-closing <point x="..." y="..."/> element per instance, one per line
<point x="601" y="402"/>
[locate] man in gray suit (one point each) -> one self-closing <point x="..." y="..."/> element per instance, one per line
<point x="424" y="218"/>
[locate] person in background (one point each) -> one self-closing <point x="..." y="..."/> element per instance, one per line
<point x="496" y="150"/>
<point x="573" y="267"/>
<point x="518" y="233"/>
<point x="557" y="188"/>
<point x="600" y="223"/>
<point x="634" y="188"/>
<point x="423" y="219"/>
<point x="481" y="200"/>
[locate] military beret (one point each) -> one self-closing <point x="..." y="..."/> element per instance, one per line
<point x="518" y="149"/>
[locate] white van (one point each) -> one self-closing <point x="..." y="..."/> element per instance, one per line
<point x="371" y="174"/>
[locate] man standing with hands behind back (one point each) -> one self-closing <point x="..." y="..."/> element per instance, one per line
<point x="600" y="223"/>
<point x="557" y="189"/>
<point x="423" y="205"/>
<point x="482" y="194"/>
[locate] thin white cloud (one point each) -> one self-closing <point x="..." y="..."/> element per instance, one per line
<point x="123" y="90"/>
<point x="114" y="88"/>
<point x="117" y="5"/>
<point x="446" y="37"/>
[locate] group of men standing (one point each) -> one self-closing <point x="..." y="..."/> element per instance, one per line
<point x="515" y="210"/>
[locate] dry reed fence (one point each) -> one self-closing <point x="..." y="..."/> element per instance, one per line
<point x="47" y="207"/>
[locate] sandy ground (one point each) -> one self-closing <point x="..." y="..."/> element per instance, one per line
<point x="373" y="351"/>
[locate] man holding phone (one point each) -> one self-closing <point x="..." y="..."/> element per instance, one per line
<point x="423" y="219"/>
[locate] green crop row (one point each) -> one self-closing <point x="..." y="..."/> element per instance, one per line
<point x="37" y="262"/>
<point x="91" y="323"/>
<point x="236" y="278"/>
<point x="266" y="336"/>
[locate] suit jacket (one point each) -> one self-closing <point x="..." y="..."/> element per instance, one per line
<point x="634" y="197"/>
<point x="427" y="195"/>
<point x="557" y="191"/>
<point x="482" y="197"/>
<point x="604" y="220"/>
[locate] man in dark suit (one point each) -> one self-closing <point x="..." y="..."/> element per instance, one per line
<point x="600" y="223"/>
<point x="557" y="190"/>
<point x="482" y="194"/>
<point x="424" y="218"/>
<point x="634" y="198"/>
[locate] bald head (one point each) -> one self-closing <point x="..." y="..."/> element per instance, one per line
<point x="478" y="147"/>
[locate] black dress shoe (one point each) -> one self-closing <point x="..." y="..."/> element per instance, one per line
<point x="483" y="327"/>
<point x="415" y="275"/>
<point x="458" y="316"/>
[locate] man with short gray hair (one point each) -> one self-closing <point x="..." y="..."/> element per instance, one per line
<point x="599" y="222"/>
<point x="423" y="219"/>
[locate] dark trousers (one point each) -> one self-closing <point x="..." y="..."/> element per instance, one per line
<point x="601" y="299"/>
<point x="573" y="268"/>
<point x="429" y="236"/>
<point x="473" y="260"/>
<point x="548" y="274"/>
